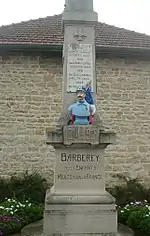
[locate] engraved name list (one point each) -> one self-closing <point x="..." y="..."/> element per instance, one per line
<point x="79" y="66"/>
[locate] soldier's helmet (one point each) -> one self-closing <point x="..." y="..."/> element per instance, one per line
<point x="81" y="90"/>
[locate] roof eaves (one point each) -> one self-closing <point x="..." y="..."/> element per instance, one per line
<point x="127" y="50"/>
<point x="123" y="47"/>
<point x="30" y="46"/>
<point x="58" y="48"/>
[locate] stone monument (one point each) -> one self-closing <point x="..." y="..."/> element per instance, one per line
<point x="78" y="203"/>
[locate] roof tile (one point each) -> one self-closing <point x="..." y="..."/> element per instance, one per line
<point x="48" y="31"/>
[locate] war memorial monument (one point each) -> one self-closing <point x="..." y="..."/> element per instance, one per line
<point x="78" y="203"/>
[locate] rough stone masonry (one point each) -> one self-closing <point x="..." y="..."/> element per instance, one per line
<point x="29" y="103"/>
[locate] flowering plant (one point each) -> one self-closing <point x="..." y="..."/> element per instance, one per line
<point x="14" y="215"/>
<point x="137" y="216"/>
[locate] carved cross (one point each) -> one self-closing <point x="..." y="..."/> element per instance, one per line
<point x="79" y="35"/>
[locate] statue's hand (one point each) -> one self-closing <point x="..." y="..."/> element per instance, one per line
<point x="88" y="83"/>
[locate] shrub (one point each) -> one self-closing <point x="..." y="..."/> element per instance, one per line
<point x="133" y="201"/>
<point x="9" y="224"/>
<point x="26" y="194"/>
<point x="15" y="214"/>
<point x="144" y="226"/>
<point x="126" y="211"/>
<point x="137" y="216"/>
<point x="130" y="191"/>
<point x="27" y="186"/>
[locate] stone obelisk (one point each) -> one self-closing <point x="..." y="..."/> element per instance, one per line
<point x="78" y="203"/>
<point x="79" y="22"/>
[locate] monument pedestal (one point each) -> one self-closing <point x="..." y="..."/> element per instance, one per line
<point x="78" y="204"/>
<point x="80" y="219"/>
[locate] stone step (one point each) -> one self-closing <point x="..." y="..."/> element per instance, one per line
<point x="36" y="229"/>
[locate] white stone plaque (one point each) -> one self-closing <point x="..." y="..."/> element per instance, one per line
<point x="79" y="170"/>
<point x="79" y="66"/>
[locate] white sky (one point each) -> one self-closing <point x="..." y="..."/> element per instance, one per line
<point x="129" y="14"/>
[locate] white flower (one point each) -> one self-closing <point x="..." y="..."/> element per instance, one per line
<point x="22" y="205"/>
<point x="147" y="215"/>
<point x="13" y="200"/>
<point x="137" y="203"/>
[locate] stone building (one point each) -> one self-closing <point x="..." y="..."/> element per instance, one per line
<point x="30" y="89"/>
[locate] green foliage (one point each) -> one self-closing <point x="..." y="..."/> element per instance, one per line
<point x="137" y="216"/>
<point x="144" y="226"/>
<point x="130" y="191"/>
<point x="27" y="186"/>
<point x="9" y="225"/>
<point x="15" y="214"/>
<point x="26" y="194"/>
<point x="125" y="212"/>
<point x="133" y="201"/>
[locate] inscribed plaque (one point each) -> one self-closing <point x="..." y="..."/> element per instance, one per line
<point x="79" y="170"/>
<point x="81" y="134"/>
<point x="79" y="66"/>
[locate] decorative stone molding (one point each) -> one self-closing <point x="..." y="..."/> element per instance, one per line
<point x="85" y="134"/>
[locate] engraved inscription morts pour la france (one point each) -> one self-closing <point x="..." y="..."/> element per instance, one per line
<point x="74" y="165"/>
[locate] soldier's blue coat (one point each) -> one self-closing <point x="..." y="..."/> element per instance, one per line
<point x="81" y="111"/>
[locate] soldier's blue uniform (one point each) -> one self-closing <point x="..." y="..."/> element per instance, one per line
<point x="81" y="111"/>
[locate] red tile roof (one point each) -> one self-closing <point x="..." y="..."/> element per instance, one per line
<point x="48" y="31"/>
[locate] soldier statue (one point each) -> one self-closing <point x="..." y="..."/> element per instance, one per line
<point x="83" y="110"/>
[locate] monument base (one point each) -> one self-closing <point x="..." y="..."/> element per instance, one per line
<point x="78" y="204"/>
<point x="102" y="197"/>
<point x="74" y="216"/>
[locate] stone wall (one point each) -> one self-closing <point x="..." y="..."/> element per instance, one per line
<point x="30" y="88"/>
<point x="124" y="104"/>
